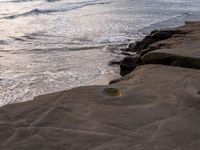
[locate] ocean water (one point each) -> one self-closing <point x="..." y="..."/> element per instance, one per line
<point x="53" y="45"/>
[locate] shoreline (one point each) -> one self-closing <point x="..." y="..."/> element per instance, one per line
<point x="154" y="106"/>
<point x="154" y="42"/>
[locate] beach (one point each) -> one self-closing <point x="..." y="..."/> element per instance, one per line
<point x="99" y="75"/>
<point x="153" y="107"/>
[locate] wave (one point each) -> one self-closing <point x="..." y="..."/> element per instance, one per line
<point x="173" y="22"/>
<point x="47" y="50"/>
<point x="48" y="11"/>
<point x="21" y="1"/>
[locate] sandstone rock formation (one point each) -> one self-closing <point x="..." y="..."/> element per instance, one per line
<point x="155" y="107"/>
<point x="180" y="50"/>
<point x="176" y="47"/>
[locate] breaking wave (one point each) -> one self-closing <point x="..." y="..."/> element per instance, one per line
<point x="68" y="7"/>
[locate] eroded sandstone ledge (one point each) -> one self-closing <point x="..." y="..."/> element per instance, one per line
<point x="155" y="107"/>
<point x="175" y="47"/>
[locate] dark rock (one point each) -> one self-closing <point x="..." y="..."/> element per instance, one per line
<point x="158" y="58"/>
<point x="131" y="45"/>
<point x="163" y="34"/>
<point x="114" y="62"/>
<point x="154" y="36"/>
<point x="126" y="49"/>
<point x="128" y="64"/>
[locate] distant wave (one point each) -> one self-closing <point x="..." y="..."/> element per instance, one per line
<point x="47" y="50"/>
<point x="173" y="22"/>
<point x="21" y="1"/>
<point x="47" y="11"/>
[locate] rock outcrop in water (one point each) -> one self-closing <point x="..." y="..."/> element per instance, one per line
<point x="177" y="47"/>
<point x="155" y="107"/>
<point x="128" y="64"/>
<point x="153" y="37"/>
